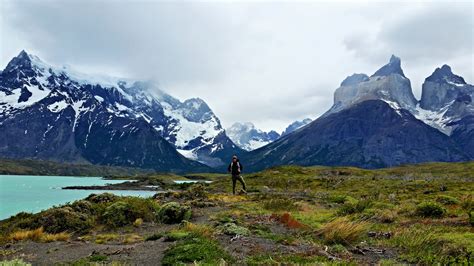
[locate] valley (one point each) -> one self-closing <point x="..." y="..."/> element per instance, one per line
<point x="413" y="214"/>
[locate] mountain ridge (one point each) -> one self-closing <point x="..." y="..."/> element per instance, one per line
<point x="29" y="86"/>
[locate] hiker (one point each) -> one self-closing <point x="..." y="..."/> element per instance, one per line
<point x="235" y="168"/>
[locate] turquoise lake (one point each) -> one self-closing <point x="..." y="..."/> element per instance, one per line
<point x="35" y="193"/>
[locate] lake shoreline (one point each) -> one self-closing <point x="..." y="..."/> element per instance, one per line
<point x="126" y="185"/>
<point x="43" y="192"/>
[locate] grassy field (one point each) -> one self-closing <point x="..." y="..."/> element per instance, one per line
<point x="416" y="214"/>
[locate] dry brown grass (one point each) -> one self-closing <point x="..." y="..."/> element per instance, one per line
<point x="38" y="235"/>
<point x="132" y="238"/>
<point x="56" y="237"/>
<point x="287" y="220"/>
<point x="105" y="238"/>
<point x="34" y="235"/>
<point x="343" y="231"/>
<point x="138" y="222"/>
<point x="227" y="198"/>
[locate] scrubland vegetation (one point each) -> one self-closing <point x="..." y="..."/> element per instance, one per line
<point x="419" y="214"/>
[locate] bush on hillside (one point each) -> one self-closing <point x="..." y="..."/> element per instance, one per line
<point x="173" y="212"/>
<point x="102" y="198"/>
<point x="447" y="200"/>
<point x="128" y="210"/>
<point x="64" y="219"/>
<point x="430" y="209"/>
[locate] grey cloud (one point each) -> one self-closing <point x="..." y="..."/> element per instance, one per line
<point x="266" y="62"/>
<point x="439" y="31"/>
<point x="170" y="39"/>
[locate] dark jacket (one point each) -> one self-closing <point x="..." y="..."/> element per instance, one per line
<point x="235" y="168"/>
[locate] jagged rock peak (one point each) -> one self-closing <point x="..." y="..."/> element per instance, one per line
<point x="393" y="67"/>
<point x="21" y="60"/>
<point x="444" y="74"/>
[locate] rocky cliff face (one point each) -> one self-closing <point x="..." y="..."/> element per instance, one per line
<point x="296" y="125"/>
<point x="388" y="84"/>
<point x="370" y="134"/>
<point x="445" y="100"/>
<point x="377" y="122"/>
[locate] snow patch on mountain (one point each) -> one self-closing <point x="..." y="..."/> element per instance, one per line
<point x="17" y="100"/>
<point x="248" y="137"/>
<point x="58" y="106"/>
<point x="185" y="130"/>
<point x="436" y="119"/>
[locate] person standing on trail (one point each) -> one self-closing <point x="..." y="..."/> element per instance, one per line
<point x="235" y="168"/>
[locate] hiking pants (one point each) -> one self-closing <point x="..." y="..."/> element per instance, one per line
<point x="234" y="181"/>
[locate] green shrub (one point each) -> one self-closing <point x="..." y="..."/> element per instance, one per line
<point x="128" y="210"/>
<point x="173" y="212"/>
<point x="279" y="204"/>
<point x="447" y="200"/>
<point x="16" y="262"/>
<point x="102" y="198"/>
<point x="175" y="235"/>
<point x="83" y="206"/>
<point x="117" y="214"/>
<point x="195" y="250"/>
<point x="467" y="204"/>
<point x="430" y="209"/>
<point x="351" y="207"/>
<point x="154" y="237"/>
<point x="97" y="258"/>
<point x="22" y="220"/>
<point x="233" y="229"/>
<point x="340" y="199"/>
<point x="63" y="219"/>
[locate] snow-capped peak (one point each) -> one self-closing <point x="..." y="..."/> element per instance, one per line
<point x="190" y="125"/>
<point x="296" y="125"/>
<point x="445" y="99"/>
<point x="26" y="62"/>
<point x="248" y="137"/>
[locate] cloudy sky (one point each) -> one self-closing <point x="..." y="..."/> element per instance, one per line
<point x="264" y="62"/>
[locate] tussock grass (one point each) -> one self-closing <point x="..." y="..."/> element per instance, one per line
<point x="199" y="229"/>
<point x="38" y="235"/>
<point x="343" y="231"/>
<point x="132" y="238"/>
<point x="56" y="237"/>
<point x="138" y="222"/>
<point x="227" y="198"/>
<point x="105" y="238"/>
<point x="34" y="235"/>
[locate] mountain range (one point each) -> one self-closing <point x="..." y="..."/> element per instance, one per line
<point x="248" y="137"/>
<point x="53" y="113"/>
<point x="56" y="113"/>
<point x="377" y="122"/>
